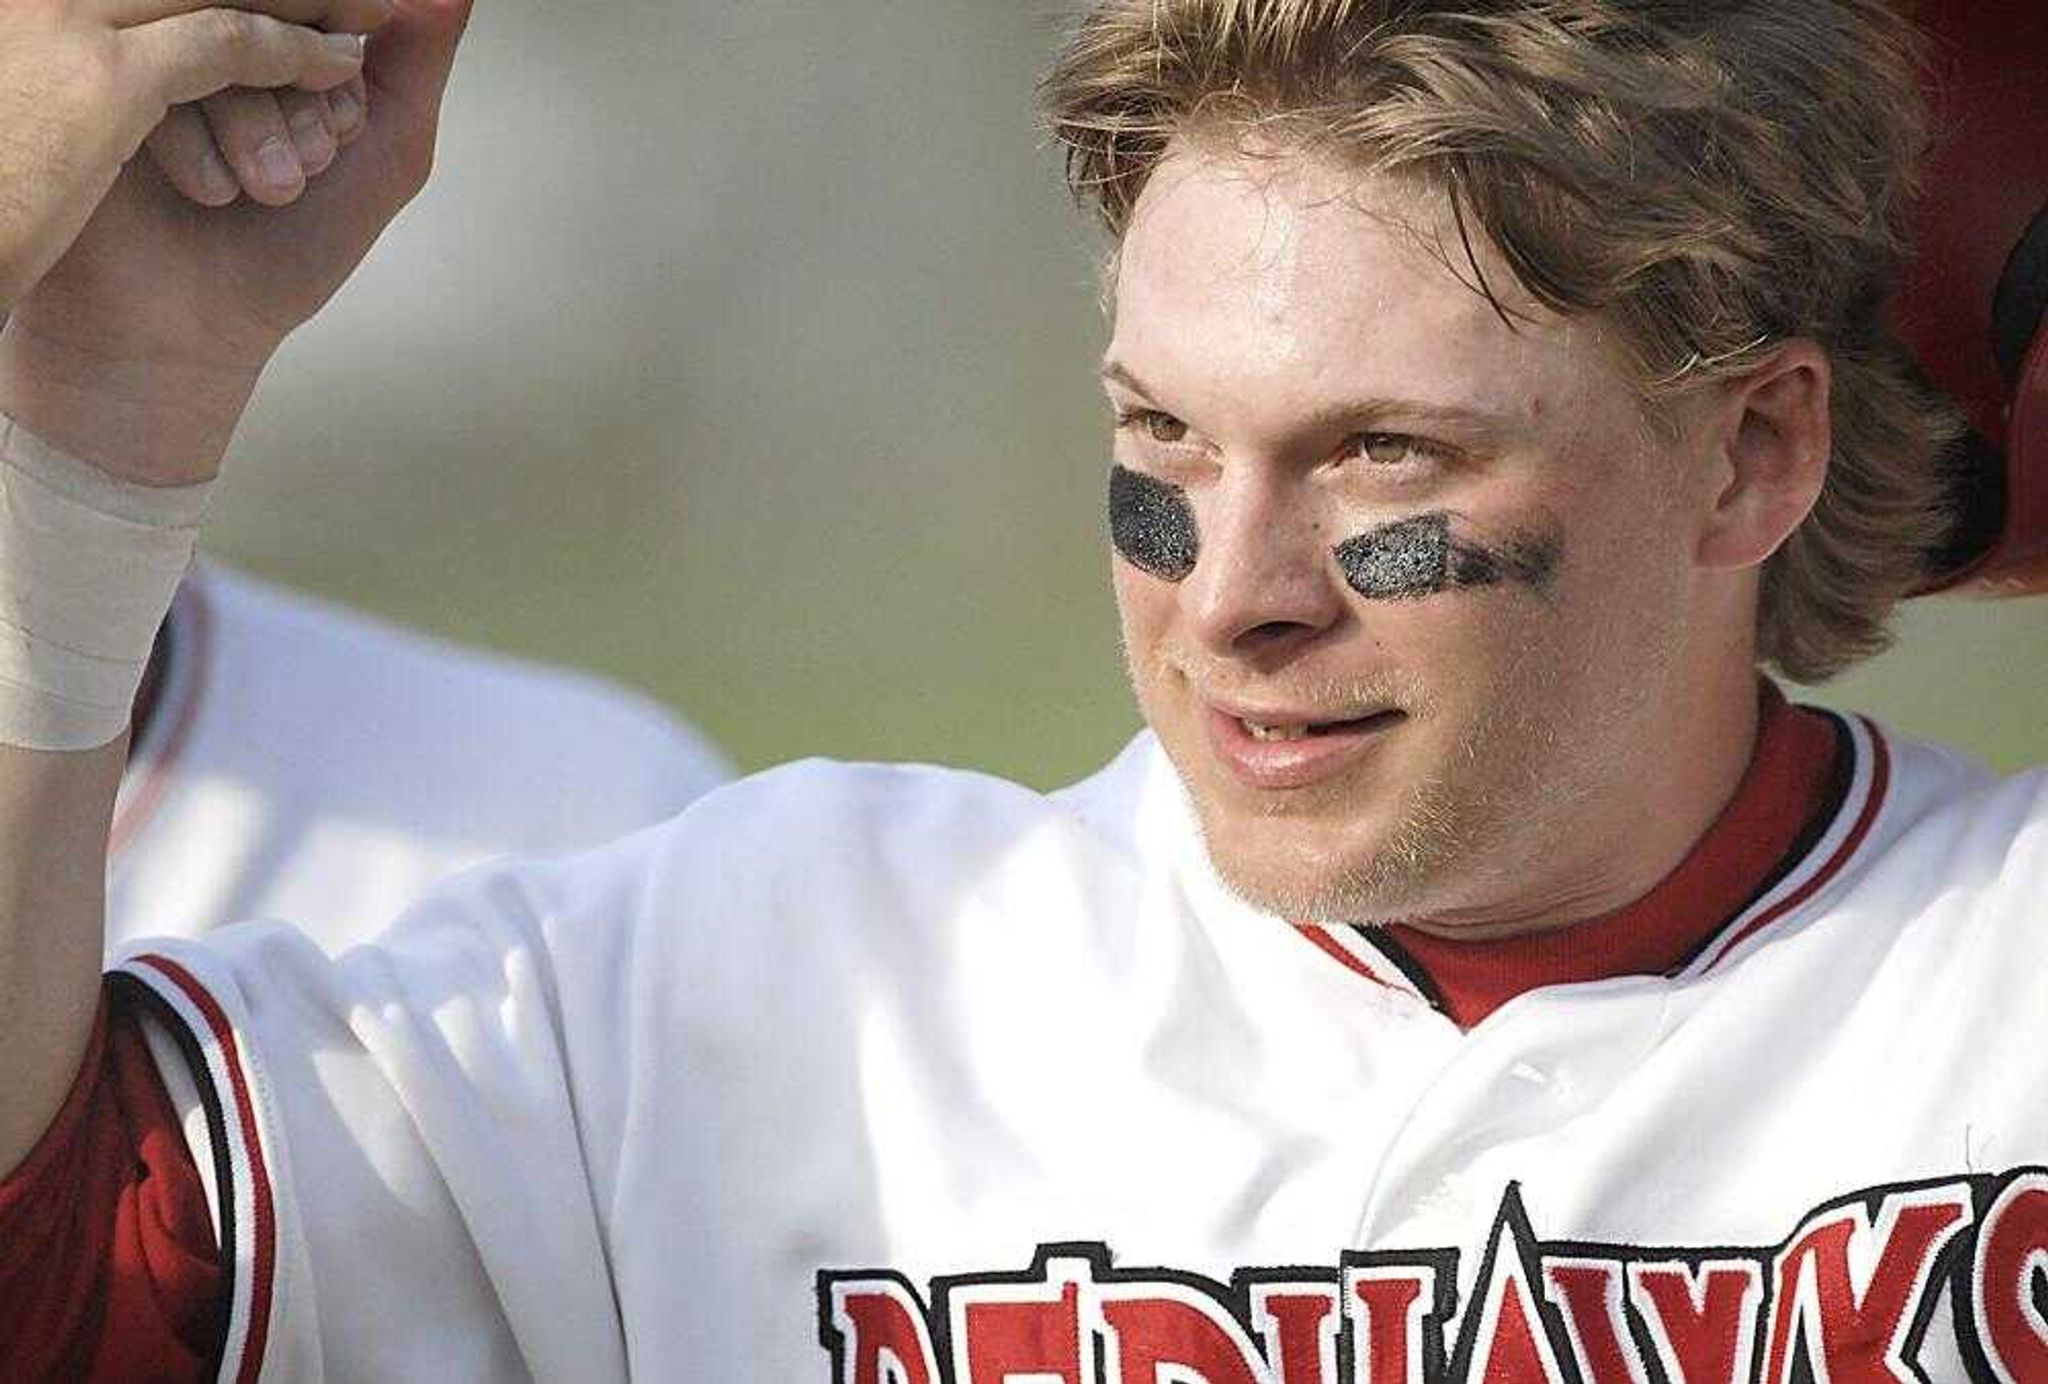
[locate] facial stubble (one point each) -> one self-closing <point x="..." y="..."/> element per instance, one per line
<point x="1458" y="839"/>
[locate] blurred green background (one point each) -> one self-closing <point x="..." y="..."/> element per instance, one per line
<point x="743" y="350"/>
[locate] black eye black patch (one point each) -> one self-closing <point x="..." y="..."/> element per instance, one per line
<point x="1412" y="558"/>
<point x="1152" y="524"/>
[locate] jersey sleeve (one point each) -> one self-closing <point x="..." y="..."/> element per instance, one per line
<point x="412" y="1137"/>
<point x="561" y="1114"/>
<point x="109" y="1269"/>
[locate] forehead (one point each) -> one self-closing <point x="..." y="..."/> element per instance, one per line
<point x="1284" y="273"/>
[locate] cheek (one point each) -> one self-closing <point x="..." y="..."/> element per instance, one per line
<point x="1629" y="578"/>
<point x="1477" y="611"/>
<point x="1460" y="648"/>
<point x="1144" y="608"/>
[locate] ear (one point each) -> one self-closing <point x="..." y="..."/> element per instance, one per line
<point x="1775" y="439"/>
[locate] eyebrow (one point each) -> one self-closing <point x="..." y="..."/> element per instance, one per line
<point x="1356" y="412"/>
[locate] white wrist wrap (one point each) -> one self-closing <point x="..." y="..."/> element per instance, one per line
<point x="88" y="566"/>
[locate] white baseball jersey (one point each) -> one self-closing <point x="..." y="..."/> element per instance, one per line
<point x="310" y="763"/>
<point x="897" y="1076"/>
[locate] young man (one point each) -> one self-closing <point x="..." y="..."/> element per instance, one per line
<point x="1474" y="972"/>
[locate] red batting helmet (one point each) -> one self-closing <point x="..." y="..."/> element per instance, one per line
<point x="1970" y="306"/>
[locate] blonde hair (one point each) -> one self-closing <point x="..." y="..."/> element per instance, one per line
<point x="1712" y="177"/>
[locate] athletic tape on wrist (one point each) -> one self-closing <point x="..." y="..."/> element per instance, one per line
<point x="88" y="566"/>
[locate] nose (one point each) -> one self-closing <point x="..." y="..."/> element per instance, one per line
<point x="1264" y="587"/>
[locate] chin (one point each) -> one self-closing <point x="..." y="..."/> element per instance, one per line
<point x="1356" y="871"/>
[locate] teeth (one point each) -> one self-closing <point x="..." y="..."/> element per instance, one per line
<point x="1259" y="732"/>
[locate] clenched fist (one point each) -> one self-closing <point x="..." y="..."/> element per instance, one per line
<point x="139" y="321"/>
<point x="84" y="82"/>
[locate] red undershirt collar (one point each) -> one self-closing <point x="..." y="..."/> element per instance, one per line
<point x="1791" y="787"/>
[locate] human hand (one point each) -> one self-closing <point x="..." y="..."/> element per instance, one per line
<point x="83" y="82"/>
<point x="267" y="143"/>
<point x="138" y="348"/>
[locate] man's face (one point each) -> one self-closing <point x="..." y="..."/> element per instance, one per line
<point x="1440" y="569"/>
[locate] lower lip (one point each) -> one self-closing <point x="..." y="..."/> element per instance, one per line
<point x="1278" y="764"/>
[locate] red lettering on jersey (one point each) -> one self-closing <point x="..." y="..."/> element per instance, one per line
<point x="1702" y="1320"/>
<point x="1039" y="1338"/>
<point x="1390" y="1306"/>
<point x="1165" y="1334"/>
<point x="1514" y="1347"/>
<point x="1850" y="1297"/>
<point x="2012" y="1280"/>
<point x="1299" y="1323"/>
<point x="881" y="1334"/>
<point x="1504" y="1338"/>
<point x="1589" y="1293"/>
<point x="1849" y="1290"/>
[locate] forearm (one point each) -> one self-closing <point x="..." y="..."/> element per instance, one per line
<point x="54" y="811"/>
<point x="88" y="564"/>
<point x="137" y="329"/>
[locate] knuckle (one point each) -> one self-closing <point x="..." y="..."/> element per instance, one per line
<point x="236" y="124"/>
<point x="257" y="45"/>
<point x="232" y="31"/>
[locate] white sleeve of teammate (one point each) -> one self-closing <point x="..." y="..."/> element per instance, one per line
<point x="408" y="1140"/>
<point x="680" y="766"/>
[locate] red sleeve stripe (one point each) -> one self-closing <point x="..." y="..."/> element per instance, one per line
<point x="248" y="1211"/>
<point x="1830" y="855"/>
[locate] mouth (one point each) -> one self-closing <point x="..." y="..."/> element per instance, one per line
<point x="1271" y="732"/>
<point x="1280" y="750"/>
